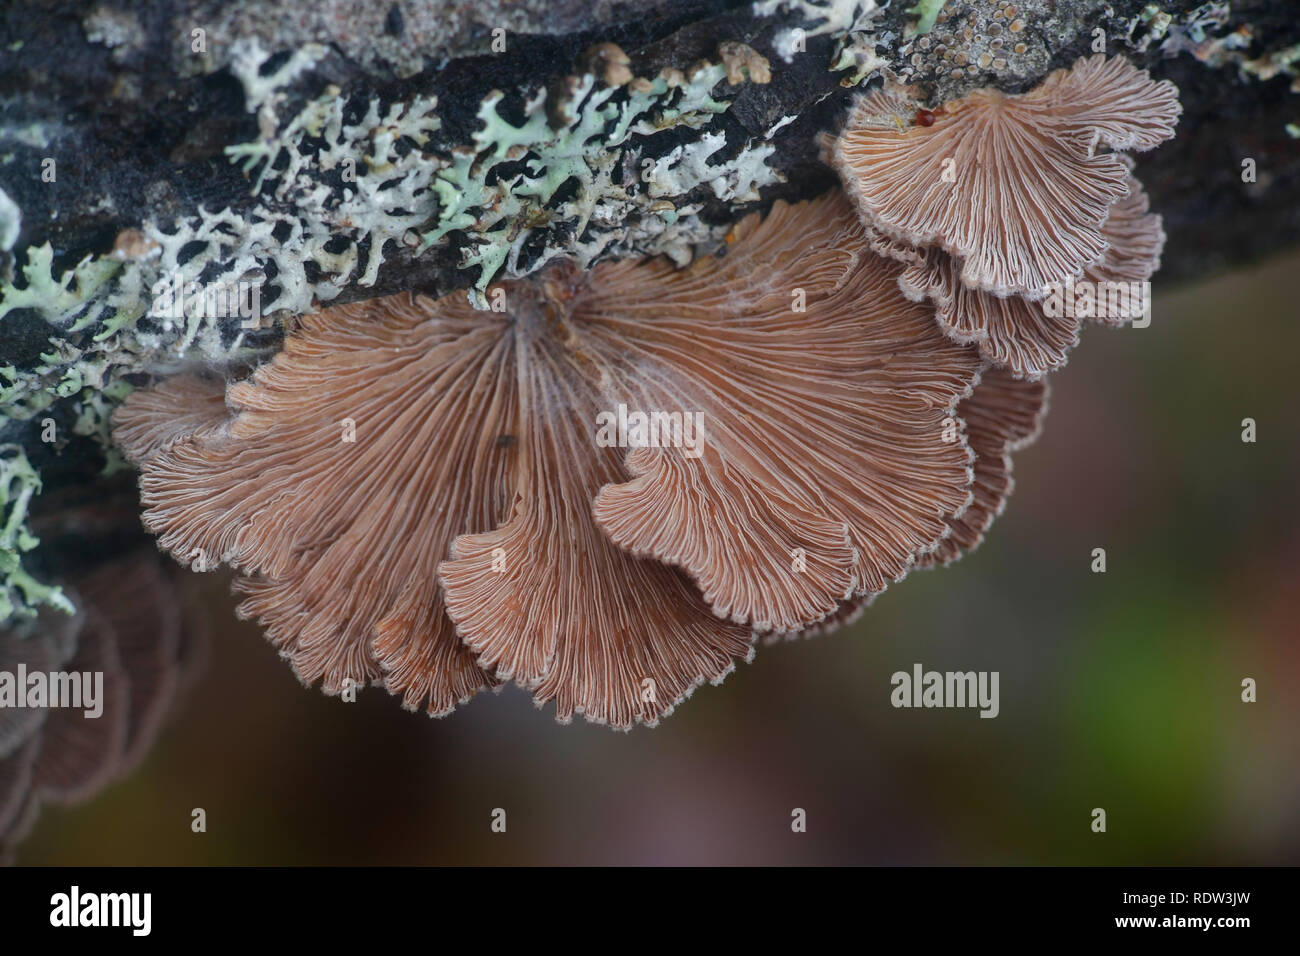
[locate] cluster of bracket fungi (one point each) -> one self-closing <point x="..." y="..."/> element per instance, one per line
<point x="411" y="492"/>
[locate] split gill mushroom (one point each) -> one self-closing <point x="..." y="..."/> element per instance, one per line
<point x="412" y="491"/>
<point x="423" y="495"/>
<point x="994" y="200"/>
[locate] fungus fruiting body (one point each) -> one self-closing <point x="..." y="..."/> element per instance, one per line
<point x="608" y="488"/>
<point x="1002" y="415"/>
<point x="1026" y="335"/>
<point x="126" y="652"/>
<point x="384" y="530"/>
<point x="999" y="200"/>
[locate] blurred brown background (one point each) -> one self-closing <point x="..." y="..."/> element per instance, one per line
<point x="1118" y="690"/>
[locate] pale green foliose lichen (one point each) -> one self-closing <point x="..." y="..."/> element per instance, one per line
<point x="20" y="593"/>
<point x="395" y="192"/>
<point x="581" y="152"/>
<point x="11" y="221"/>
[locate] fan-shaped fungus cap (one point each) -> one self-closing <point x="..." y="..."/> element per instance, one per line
<point x="1135" y="239"/>
<point x="379" y="435"/>
<point x="129" y="630"/>
<point x="1002" y="415"/>
<point x="1027" y="336"/>
<point x="351" y="463"/>
<point x="1013" y="187"/>
<point x="75" y="756"/>
<point x="183" y="407"/>
<point x="44" y="645"/>
<point x="825" y="424"/>
<point x="38" y="648"/>
<point x="809" y="398"/>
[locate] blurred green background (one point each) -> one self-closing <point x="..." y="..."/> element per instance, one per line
<point x="1119" y="690"/>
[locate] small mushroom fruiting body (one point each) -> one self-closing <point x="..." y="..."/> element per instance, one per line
<point x="1030" y="337"/>
<point x="995" y="201"/>
<point x="127" y="652"/>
